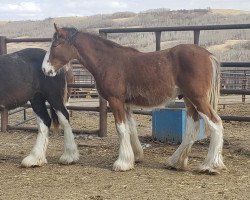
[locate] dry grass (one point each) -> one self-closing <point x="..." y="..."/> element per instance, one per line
<point x="230" y="12"/>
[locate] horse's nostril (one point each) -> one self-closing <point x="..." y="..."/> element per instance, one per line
<point x="50" y="72"/>
<point x="43" y="70"/>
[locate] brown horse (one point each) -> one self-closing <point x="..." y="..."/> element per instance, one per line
<point x="126" y="77"/>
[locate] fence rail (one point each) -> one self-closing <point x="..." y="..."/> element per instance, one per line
<point x="175" y="28"/>
<point x="9" y="40"/>
<point x="236" y="64"/>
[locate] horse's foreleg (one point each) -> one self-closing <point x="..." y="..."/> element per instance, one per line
<point x="71" y="153"/>
<point x="136" y="145"/>
<point x="37" y="156"/>
<point x="125" y="160"/>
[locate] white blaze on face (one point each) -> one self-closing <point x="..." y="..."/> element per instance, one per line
<point x="47" y="68"/>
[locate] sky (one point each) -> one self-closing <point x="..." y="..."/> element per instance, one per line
<point x="41" y="9"/>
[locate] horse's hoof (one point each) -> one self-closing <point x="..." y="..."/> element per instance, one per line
<point x="68" y="158"/>
<point x="175" y="166"/>
<point x="32" y="161"/>
<point x="204" y="169"/>
<point x="122" y="166"/>
<point x="208" y="170"/>
<point x="170" y="167"/>
<point x="139" y="158"/>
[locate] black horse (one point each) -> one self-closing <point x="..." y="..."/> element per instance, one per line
<point x="22" y="80"/>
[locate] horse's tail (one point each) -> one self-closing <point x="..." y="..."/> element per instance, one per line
<point x="214" y="92"/>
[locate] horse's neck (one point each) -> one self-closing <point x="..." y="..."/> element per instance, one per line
<point x="95" y="53"/>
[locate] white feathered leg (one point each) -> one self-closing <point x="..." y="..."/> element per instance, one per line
<point x="71" y="153"/>
<point x="37" y="156"/>
<point x="125" y="160"/>
<point x="214" y="160"/>
<point x="136" y="145"/>
<point x="179" y="159"/>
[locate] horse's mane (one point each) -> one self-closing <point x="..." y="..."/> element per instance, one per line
<point x="72" y="33"/>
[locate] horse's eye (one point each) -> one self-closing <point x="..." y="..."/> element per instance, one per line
<point x="55" y="43"/>
<point x="59" y="36"/>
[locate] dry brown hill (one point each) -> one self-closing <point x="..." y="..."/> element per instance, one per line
<point x="145" y="41"/>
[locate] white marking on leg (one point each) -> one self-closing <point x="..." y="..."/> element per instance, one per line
<point x="125" y="160"/>
<point x="135" y="143"/>
<point x="71" y="153"/>
<point x="179" y="159"/>
<point x="67" y="66"/>
<point x="214" y="158"/>
<point x="47" y="68"/>
<point x="37" y="156"/>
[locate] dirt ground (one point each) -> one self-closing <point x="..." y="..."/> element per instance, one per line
<point x="92" y="177"/>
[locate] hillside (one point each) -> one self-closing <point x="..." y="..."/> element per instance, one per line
<point x="219" y="42"/>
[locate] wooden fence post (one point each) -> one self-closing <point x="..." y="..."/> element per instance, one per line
<point x="196" y="36"/>
<point x="3" y="46"/>
<point x="4" y="112"/>
<point x="157" y="40"/>
<point x="243" y="87"/>
<point x="4" y="120"/>
<point x="103" y="109"/>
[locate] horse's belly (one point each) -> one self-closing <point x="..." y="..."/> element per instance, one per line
<point x="12" y="103"/>
<point x="11" y="99"/>
<point x="149" y="102"/>
<point x="151" y="98"/>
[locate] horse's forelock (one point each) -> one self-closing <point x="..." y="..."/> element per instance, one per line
<point x="72" y="32"/>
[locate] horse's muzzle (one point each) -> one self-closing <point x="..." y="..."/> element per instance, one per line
<point x="49" y="72"/>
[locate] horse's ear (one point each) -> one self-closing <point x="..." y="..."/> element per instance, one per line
<point x="59" y="32"/>
<point x="55" y="26"/>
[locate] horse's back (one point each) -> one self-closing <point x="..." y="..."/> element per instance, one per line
<point x="18" y="76"/>
<point x="188" y="51"/>
<point x="30" y="57"/>
<point x="33" y="56"/>
<point x="189" y="58"/>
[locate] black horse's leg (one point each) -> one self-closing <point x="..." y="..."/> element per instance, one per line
<point x="71" y="153"/>
<point x="55" y="121"/>
<point x="37" y="156"/>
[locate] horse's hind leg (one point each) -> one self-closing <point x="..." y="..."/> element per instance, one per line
<point x="125" y="159"/>
<point x="37" y="156"/>
<point x="179" y="159"/>
<point x="214" y="160"/>
<point x="55" y="121"/>
<point x="135" y="143"/>
<point x="71" y="153"/>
